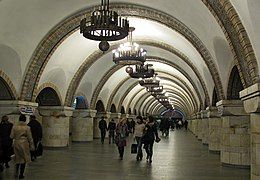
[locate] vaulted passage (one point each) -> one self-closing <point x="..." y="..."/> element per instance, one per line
<point x="73" y="63"/>
<point x="179" y="157"/>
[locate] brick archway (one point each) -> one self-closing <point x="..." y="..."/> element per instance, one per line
<point x="59" y="33"/>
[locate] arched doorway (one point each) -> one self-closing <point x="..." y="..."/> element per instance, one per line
<point x="5" y="91"/>
<point x="234" y="85"/>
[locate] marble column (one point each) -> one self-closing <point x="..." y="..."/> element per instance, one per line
<point x="251" y="101"/>
<point x="195" y="125"/>
<point x="124" y="116"/>
<point x="199" y="126"/>
<point x="132" y="116"/>
<point x="116" y="117"/>
<point x="82" y="125"/>
<point x="96" y="131"/>
<point x="205" y="127"/>
<point x="214" y="129"/>
<point x="235" y="140"/>
<point x="192" y="123"/>
<point x="13" y="109"/>
<point x="55" y="125"/>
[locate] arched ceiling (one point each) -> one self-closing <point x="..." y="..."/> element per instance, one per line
<point x="185" y="42"/>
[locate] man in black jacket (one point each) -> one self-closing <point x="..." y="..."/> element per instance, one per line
<point x="1" y="156"/>
<point x="36" y="130"/>
<point x="5" y="131"/>
<point x="111" y="130"/>
<point x="103" y="128"/>
<point x="150" y="135"/>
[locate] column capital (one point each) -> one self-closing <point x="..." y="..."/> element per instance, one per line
<point x="57" y="111"/>
<point x="203" y="114"/>
<point x="132" y="116"/>
<point x="84" y="113"/>
<point x="212" y="112"/>
<point x="193" y="116"/>
<point x="251" y="98"/>
<point x="115" y="115"/>
<point x="103" y="114"/>
<point x="17" y="107"/>
<point x="124" y="115"/>
<point x="231" y="108"/>
<point x="198" y="115"/>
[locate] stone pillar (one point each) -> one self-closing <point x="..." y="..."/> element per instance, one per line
<point x="55" y="125"/>
<point x="116" y="117"/>
<point x="235" y="140"/>
<point x="199" y="126"/>
<point x="214" y="129"/>
<point x="106" y="116"/>
<point x="195" y="125"/>
<point x="205" y="127"/>
<point x="13" y="109"/>
<point x="82" y="125"/>
<point x="124" y="116"/>
<point x="191" y="120"/>
<point x="251" y="100"/>
<point x="132" y="116"/>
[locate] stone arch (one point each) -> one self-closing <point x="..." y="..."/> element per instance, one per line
<point x="207" y="100"/>
<point x="48" y="97"/>
<point x="84" y="103"/>
<point x="150" y="102"/>
<point x="214" y="97"/>
<point x="165" y="61"/>
<point x="97" y="54"/>
<point x="129" y="111"/>
<point x="81" y="102"/>
<point x="234" y="84"/>
<point x="47" y="85"/>
<point x="122" y="111"/>
<point x="113" y="108"/>
<point x="189" y="92"/>
<point x="101" y="84"/>
<point x="100" y="106"/>
<point x="236" y="35"/>
<point x="111" y="97"/>
<point x="7" y="89"/>
<point x="58" y="34"/>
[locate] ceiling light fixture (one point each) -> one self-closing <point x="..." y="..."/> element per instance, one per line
<point x="104" y="25"/>
<point x="129" y="53"/>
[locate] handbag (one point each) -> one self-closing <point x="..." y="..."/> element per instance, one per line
<point x="39" y="149"/>
<point x="134" y="149"/>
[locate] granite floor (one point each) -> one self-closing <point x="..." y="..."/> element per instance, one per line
<point x="180" y="157"/>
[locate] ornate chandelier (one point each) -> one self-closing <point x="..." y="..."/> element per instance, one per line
<point x="129" y="53"/>
<point x="104" y="25"/>
<point x="150" y="82"/>
<point x="141" y="71"/>
<point x="155" y="90"/>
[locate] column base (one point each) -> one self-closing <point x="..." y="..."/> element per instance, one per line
<point x="214" y="152"/>
<point x="236" y="166"/>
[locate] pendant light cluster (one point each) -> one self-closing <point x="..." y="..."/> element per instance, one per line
<point x="105" y="25"/>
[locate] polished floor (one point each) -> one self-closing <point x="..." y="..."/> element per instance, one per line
<point x="180" y="157"/>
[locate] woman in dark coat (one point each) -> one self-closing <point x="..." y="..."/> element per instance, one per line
<point x="5" y="131"/>
<point x="150" y="135"/>
<point x="1" y="157"/>
<point x="120" y="139"/>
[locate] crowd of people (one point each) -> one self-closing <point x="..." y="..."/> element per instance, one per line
<point x="144" y="131"/>
<point x="21" y="140"/>
<point x="166" y="124"/>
